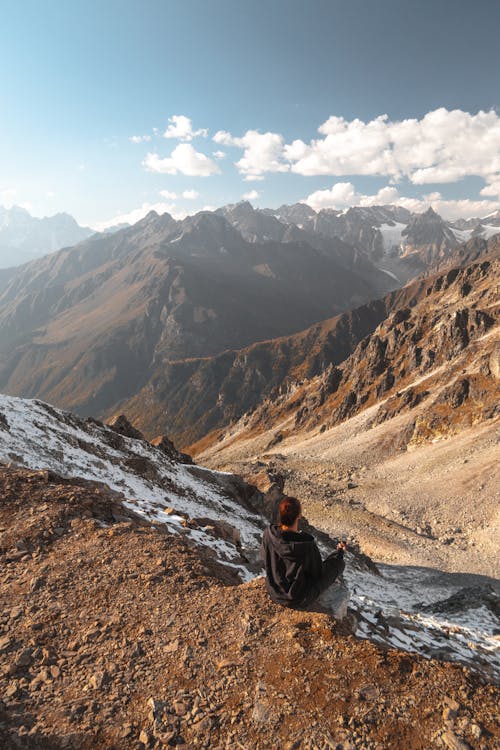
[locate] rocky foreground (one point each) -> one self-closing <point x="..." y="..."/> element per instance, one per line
<point x="118" y="633"/>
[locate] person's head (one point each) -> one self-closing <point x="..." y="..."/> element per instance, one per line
<point x="290" y="511"/>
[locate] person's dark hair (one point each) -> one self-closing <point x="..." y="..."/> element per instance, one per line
<point x="290" y="509"/>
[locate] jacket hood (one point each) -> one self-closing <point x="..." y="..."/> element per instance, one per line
<point x="290" y="545"/>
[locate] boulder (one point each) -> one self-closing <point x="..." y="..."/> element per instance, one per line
<point x="166" y="446"/>
<point x="122" y="426"/>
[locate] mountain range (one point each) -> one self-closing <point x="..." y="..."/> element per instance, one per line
<point x="24" y="237"/>
<point x="86" y="327"/>
<point x="128" y="315"/>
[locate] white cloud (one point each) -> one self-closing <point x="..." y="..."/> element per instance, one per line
<point x="219" y="154"/>
<point x="131" y="217"/>
<point x="190" y="195"/>
<point x="252" y="195"/>
<point x="262" y="152"/>
<point x="443" y="146"/>
<point x="493" y="188"/>
<point x="139" y="138"/>
<point x="181" y="127"/>
<point x="184" y="160"/>
<point x="168" y="195"/>
<point x="343" y="195"/>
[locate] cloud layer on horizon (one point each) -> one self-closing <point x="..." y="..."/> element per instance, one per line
<point x="344" y="195"/>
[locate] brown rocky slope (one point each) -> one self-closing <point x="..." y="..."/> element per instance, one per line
<point x="116" y="634"/>
<point x="417" y="353"/>
<point x="191" y="397"/>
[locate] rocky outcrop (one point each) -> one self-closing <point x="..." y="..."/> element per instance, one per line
<point x="166" y="446"/>
<point x="429" y="237"/>
<point x="122" y="426"/>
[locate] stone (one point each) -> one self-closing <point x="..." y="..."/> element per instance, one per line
<point x="203" y="725"/>
<point x="451" y="741"/>
<point x="126" y="731"/>
<point x="24" y="658"/>
<point x="180" y="708"/>
<point x="98" y="679"/>
<point x="122" y="426"/>
<point x="11" y="690"/>
<point x="476" y="731"/>
<point x="145" y="738"/>
<point x="5" y="644"/>
<point x="228" y="664"/>
<point x="172" y="646"/>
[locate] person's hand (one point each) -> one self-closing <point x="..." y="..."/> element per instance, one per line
<point x="342" y="546"/>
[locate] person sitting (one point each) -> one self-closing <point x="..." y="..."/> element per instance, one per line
<point x="295" y="573"/>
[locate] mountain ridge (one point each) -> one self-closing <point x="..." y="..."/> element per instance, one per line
<point x="24" y="237"/>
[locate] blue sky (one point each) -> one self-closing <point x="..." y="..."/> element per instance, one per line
<point x="81" y="78"/>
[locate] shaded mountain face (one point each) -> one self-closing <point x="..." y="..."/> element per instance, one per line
<point x="189" y="398"/>
<point x="428" y="236"/>
<point x="24" y="237"/>
<point x="87" y="327"/>
<point x="295" y="224"/>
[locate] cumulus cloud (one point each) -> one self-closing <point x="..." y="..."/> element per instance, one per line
<point x="493" y="188"/>
<point x="168" y="195"/>
<point x="139" y="138"/>
<point x="181" y="127"/>
<point x="343" y="195"/>
<point x="262" y="152"/>
<point x="184" y="159"/>
<point x="219" y="154"/>
<point x="443" y="146"/>
<point x="252" y="195"/>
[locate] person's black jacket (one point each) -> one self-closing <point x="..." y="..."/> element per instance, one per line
<point x="293" y="565"/>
